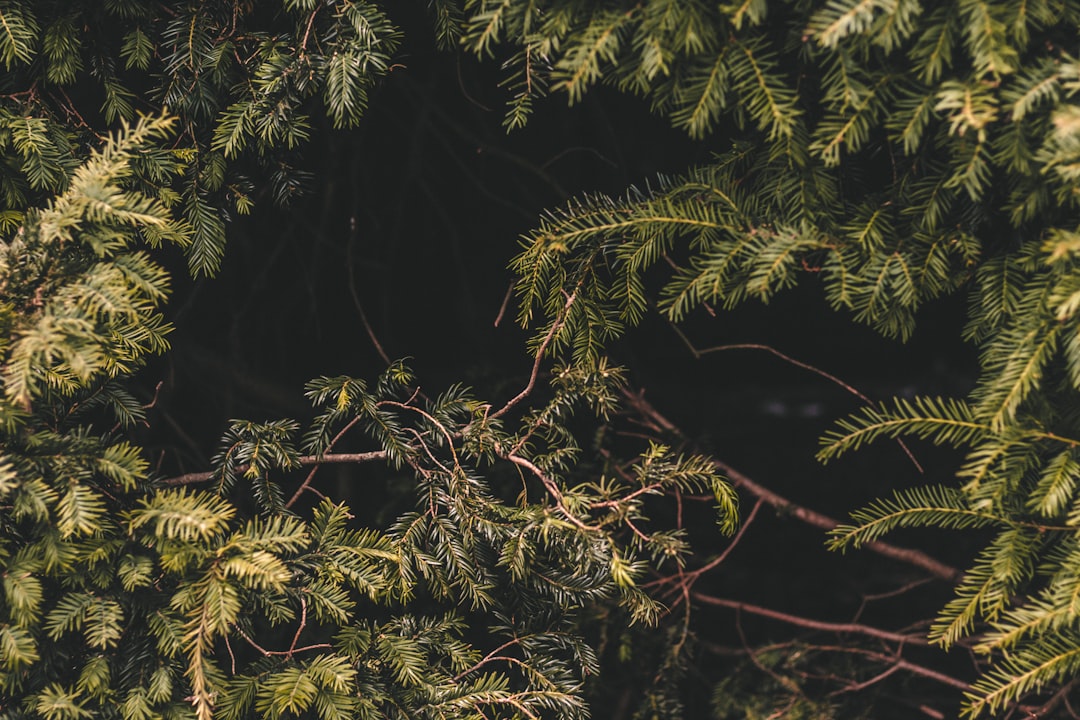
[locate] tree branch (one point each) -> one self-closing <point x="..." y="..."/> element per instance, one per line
<point x="908" y="556"/>
<point x="797" y="363"/>
<point x="811" y="624"/>
<point x="555" y="327"/>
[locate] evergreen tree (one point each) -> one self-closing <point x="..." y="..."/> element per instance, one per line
<point x="893" y="153"/>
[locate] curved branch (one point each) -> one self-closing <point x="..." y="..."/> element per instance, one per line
<point x="553" y="489"/>
<point x="555" y="327"/>
<point x="697" y="353"/>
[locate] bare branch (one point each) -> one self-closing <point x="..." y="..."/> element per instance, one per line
<point x="306" y="485"/>
<point x="553" y="490"/>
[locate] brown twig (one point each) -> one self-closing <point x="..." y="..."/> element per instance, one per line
<point x="493" y="655"/>
<point x="306" y="485"/>
<point x="307" y="30"/>
<point x="1057" y="699"/>
<point x="360" y="306"/>
<point x="304" y="460"/>
<point x="687" y="579"/>
<point x="553" y="490"/>
<point x="299" y="628"/>
<point x="905" y="665"/>
<point x="505" y="304"/>
<point x="555" y="327"/>
<point x="811" y="624"/>
<point x="906" y="587"/>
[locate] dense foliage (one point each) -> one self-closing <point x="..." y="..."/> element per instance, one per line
<point x="891" y="154"/>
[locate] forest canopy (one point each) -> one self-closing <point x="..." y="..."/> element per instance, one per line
<point x="270" y="445"/>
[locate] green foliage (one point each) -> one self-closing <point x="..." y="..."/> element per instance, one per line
<point x="240" y="80"/>
<point x="895" y="154"/>
<point x="127" y="596"/>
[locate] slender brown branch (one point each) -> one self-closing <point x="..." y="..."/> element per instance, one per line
<point x="698" y="353"/>
<point x="811" y="624"/>
<point x="1056" y="700"/>
<point x="299" y="628"/>
<point x="856" y="687"/>
<point x="906" y="665"/>
<point x="555" y="326"/>
<point x="315" y="468"/>
<point x="232" y="657"/>
<point x="688" y="578"/>
<point x="785" y="681"/>
<point x="304" y="460"/>
<point x="307" y="30"/>
<point x="505" y="304"/>
<point x="637" y="531"/>
<point x="430" y="418"/>
<point x="553" y="490"/>
<point x="906" y="587"/>
<point x="909" y="556"/>
<point x="486" y="659"/>
<point x="932" y="674"/>
<point x="360" y="306"/>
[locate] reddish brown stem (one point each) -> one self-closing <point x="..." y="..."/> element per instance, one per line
<point x="811" y="624"/>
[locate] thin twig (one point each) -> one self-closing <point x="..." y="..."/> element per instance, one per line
<point x="688" y="578"/>
<point x="232" y="658"/>
<point x="303" y="460"/>
<point x="553" y="490"/>
<point x="856" y="687"/>
<point x="487" y="658"/>
<point x="811" y="624"/>
<point x="360" y="306"/>
<point x="555" y="327"/>
<point x="306" y="485"/>
<point x="505" y="304"/>
<point x="906" y="587"/>
<point x="300" y="627"/>
<point x="906" y="665"/>
<point x="797" y="363"/>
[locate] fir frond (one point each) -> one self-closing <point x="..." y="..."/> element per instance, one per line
<point x="1031" y="668"/>
<point x="926" y="506"/>
<point x="941" y="420"/>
